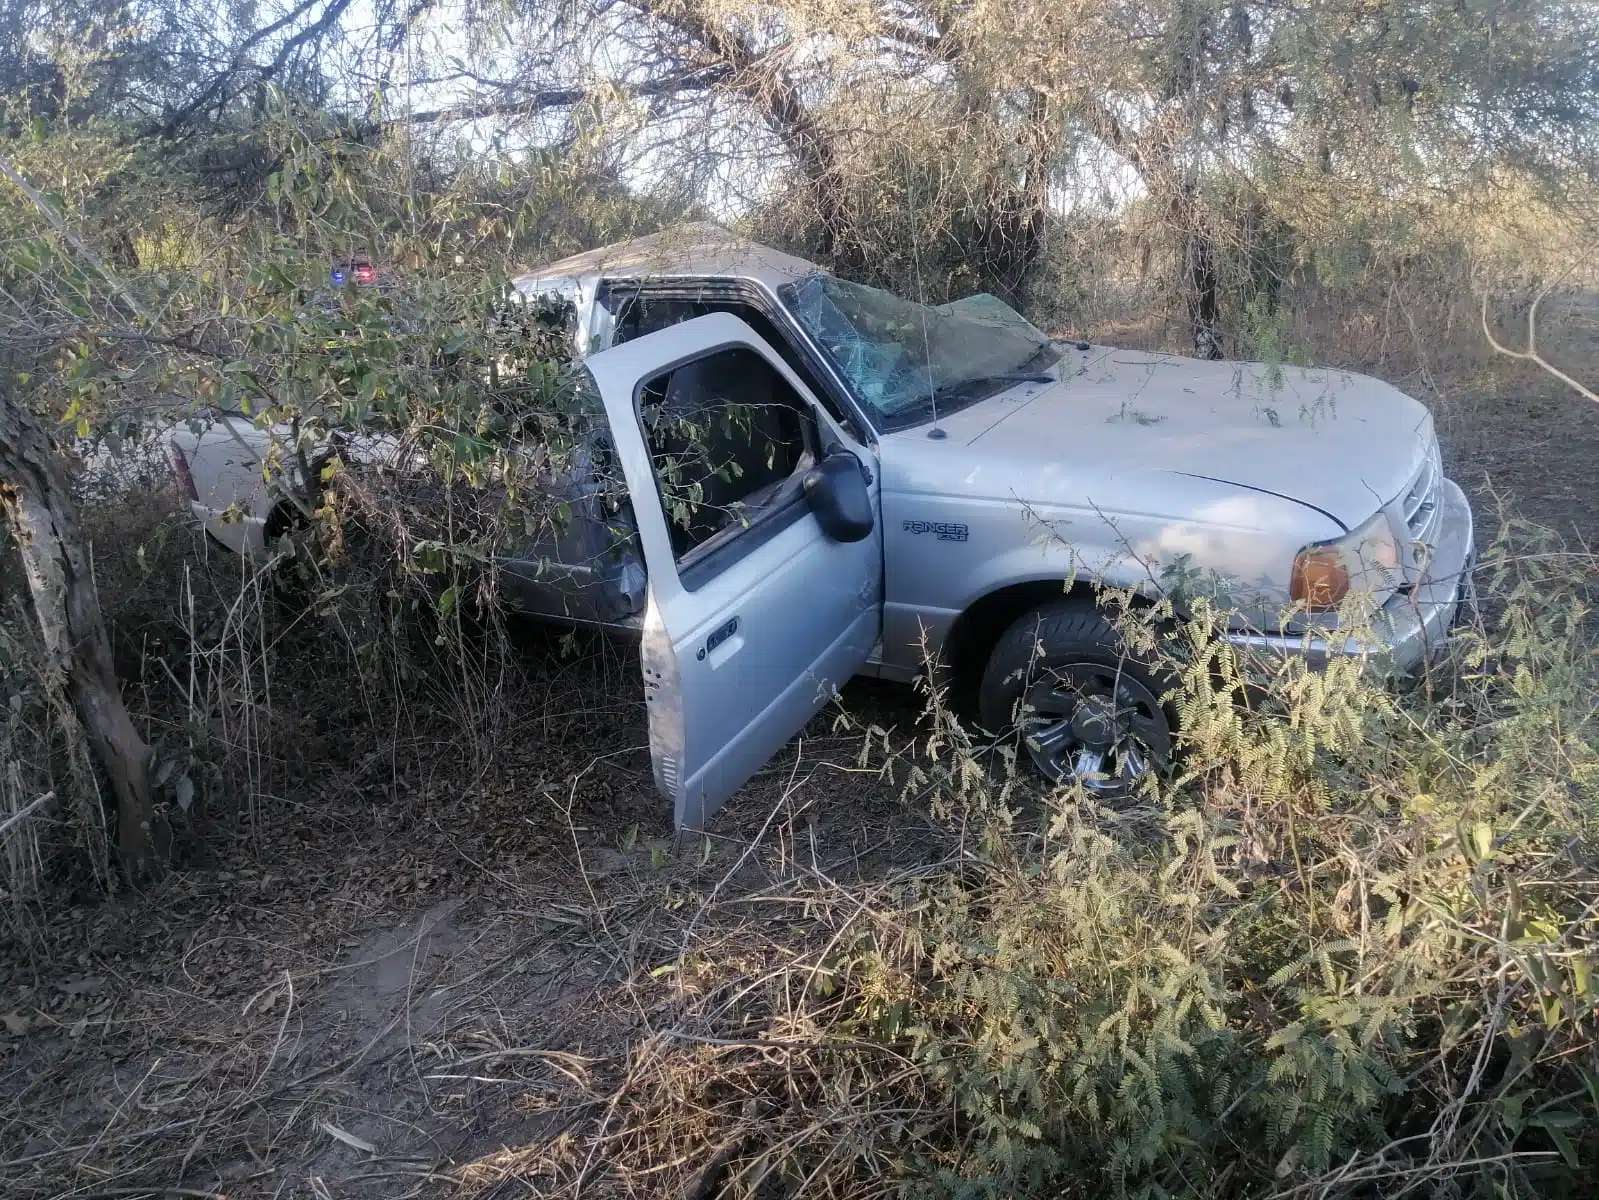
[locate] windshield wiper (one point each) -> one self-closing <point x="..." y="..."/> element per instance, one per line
<point x="1046" y="355"/>
<point x="1016" y="377"/>
<point x="954" y="396"/>
<point x="966" y="386"/>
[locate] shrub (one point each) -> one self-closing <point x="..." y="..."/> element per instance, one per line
<point x="1348" y="950"/>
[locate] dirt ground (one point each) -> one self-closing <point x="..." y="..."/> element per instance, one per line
<point x="401" y="984"/>
<point x="417" y="978"/>
<point x="1540" y="453"/>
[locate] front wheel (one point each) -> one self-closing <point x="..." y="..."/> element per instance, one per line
<point x="1062" y="682"/>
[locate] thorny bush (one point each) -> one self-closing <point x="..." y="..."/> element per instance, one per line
<point x="1348" y="950"/>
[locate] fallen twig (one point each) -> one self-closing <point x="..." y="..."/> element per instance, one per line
<point x="16" y="817"/>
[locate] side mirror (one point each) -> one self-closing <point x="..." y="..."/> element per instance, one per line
<point x="836" y="489"/>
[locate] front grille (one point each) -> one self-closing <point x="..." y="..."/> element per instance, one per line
<point x="1421" y="504"/>
<point x="1421" y="497"/>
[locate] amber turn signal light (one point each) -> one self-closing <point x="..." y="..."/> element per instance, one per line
<point x="1319" y="580"/>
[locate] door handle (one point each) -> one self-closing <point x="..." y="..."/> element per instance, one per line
<point x="717" y="637"/>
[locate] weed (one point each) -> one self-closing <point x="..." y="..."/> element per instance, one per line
<point x="1348" y="944"/>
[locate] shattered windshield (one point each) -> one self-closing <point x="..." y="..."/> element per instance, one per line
<point x="903" y="359"/>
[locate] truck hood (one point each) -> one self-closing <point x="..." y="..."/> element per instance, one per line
<point x="1341" y="443"/>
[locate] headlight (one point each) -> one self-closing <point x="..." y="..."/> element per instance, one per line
<point x="1363" y="561"/>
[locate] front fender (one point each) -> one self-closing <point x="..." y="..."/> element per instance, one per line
<point x="1236" y="544"/>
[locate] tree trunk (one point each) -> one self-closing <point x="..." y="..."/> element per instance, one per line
<point x="1200" y="284"/>
<point x="1196" y="247"/>
<point x="1203" y="292"/>
<point x="1010" y="226"/>
<point x="42" y="518"/>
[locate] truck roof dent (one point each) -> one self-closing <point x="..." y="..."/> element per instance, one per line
<point x="697" y="250"/>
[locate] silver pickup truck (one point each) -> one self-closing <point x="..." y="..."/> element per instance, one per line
<point x="905" y="481"/>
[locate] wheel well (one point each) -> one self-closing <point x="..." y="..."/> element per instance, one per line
<point x="283" y="517"/>
<point x="971" y="639"/>
<point x="285" y="514"/>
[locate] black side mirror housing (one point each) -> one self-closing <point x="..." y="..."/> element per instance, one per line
<point x="836" y="490"/>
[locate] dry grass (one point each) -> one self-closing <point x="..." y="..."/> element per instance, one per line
<point x="424" y="980"/>
<point x="415" y="968"/>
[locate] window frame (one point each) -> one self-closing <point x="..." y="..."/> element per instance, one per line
<point x="705" y="562"/>
<point x="818" y="374"/>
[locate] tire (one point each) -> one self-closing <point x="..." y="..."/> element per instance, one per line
<point x="1061" y="684"/>
<point x="303" y="578"/>
<point x="294" y="583"/>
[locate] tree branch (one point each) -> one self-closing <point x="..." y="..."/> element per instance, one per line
<point x="1530" y="354"/>
<point x="530" y="104"/>
<point x="59" y="224"/>
<point x="17" y="818"/>
<point x="755" y="76"/>
<point x="227" y="83"/>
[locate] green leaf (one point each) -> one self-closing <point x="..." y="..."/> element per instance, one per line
<point x="1591" y="1082"/>
<point x="1555" y="1125"/>
<point x="1551" y="1008"/>
<point x="185" y="793"/>
<point x="1482" y="838"/>
<point x="1510" y="1111"/>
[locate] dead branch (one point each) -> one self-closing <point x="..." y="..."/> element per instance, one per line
<point x="16" y="818"/>
<point x="1530" y="354"/>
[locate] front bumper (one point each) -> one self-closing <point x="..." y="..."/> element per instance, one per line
<point x="1413" y="627"/>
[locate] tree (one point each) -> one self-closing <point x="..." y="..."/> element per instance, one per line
<point x="962" y="118"/>
<point x="41" y="516"/>
<point x="901" y="133"/>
